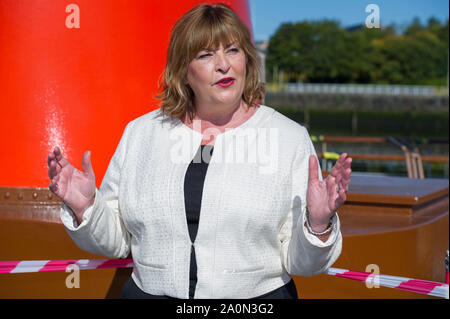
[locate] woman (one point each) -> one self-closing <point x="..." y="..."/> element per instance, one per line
<point x="214" y="195"/>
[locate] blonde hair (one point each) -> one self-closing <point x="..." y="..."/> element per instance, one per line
<point x="202" y="27"/>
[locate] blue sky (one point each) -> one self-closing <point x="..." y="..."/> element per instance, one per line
<point x="267" y="15"/>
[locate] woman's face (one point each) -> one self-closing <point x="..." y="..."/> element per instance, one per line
<point x="217" y="75"/>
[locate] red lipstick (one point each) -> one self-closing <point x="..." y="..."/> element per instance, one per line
<point x="225" y="82"/>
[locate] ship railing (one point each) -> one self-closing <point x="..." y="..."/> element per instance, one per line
<point x="412" y="157"/>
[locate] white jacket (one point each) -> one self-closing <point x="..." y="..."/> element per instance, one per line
<point x="251" y="234"/>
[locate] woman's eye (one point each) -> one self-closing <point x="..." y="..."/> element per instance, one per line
<point x="203" y="56"/>
<point x="234" y="50"/>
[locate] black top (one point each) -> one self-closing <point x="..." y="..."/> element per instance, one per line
<point x="193" y="187"/>
<point x="193" y="191"/>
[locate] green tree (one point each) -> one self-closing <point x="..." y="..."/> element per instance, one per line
<point x="321" y="51"/>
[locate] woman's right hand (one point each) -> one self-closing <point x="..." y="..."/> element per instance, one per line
<point x="73" y="187"/>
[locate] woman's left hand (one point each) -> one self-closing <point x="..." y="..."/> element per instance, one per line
<point x="325" y="197"/>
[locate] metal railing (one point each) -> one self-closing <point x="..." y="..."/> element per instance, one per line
<point x="369" y="89"/>
<point x="411" y="154"/>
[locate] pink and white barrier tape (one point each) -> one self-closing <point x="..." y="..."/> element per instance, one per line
<point x="426" y="287"/>
<point x="9" y="267"/>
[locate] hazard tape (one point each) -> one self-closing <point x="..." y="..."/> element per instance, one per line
<point x="431" y="288"/>
<point x="26" y="266"/>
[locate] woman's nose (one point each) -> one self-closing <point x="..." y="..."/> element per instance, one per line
<point x="222" y="63"/>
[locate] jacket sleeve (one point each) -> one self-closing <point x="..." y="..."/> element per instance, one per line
<point x="102" y="230"/>
<point x="304" y="254"/>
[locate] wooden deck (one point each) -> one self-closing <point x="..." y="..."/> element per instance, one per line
<point x="399" y="224"/>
